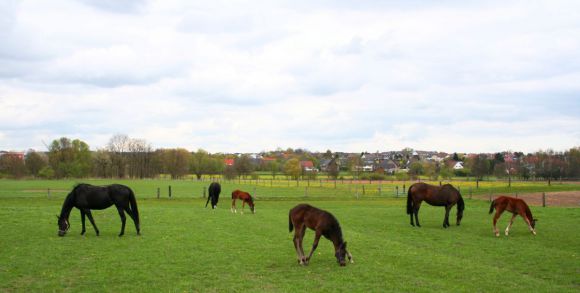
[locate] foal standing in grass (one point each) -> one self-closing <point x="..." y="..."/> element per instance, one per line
<point x="517" y="207"/>
<point x="324" y="223"/>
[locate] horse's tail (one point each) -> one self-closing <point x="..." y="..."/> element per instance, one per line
<point x="492" y="206"/>
<point x="460" y="208"/>
<point x="409" y="202"/>
<point x="290" y="226"/>
<point x="460" y="205"/>
<point x="133" y="203"/>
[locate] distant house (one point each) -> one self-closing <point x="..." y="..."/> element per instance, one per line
<point x="458" y="166"/>
<point x="308" y="166"/>
<point x="18" y="155"/>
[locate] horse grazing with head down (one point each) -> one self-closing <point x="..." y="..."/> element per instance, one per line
<point x="517" y="207"/>
<point x="245" y="198"/>
<point x="86" y="197"/>
<point x="214" y="194"/>
<point x="324" y="224"/>
<point x="446" y="196"/>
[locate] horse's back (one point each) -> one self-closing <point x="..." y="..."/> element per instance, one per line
<point x="511" y="204"/>
<point x="240" y="194"/>
<point x="214" y="189"/>
<point x="434" y="195"/>
<point x="312" y="216"/>
<point x="92" y="197"/>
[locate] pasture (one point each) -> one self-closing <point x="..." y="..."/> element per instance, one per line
<point x="185" y="247"/>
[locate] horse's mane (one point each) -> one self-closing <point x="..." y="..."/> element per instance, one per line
<point x="336" y="226"/>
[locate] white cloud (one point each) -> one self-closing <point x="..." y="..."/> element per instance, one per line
<point x="241" y="76"/>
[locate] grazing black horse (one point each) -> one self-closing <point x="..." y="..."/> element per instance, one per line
<point x="445" y="195"/>
<point x="214" y="194"/>
<point x="86" y="197"/>
<point x="324" y="223"/>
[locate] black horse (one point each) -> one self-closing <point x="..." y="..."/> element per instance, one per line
<point x="86" y="197"/>
<point x="324" y="224"/>
<point x="446" y="196"/>
<point x="214" y="194"/>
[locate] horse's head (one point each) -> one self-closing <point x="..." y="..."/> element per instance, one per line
<point x="251" y="203"/>
<point x="63" y="225"/>
<point x="459" y="217"/>
<point x="340" y="254"/>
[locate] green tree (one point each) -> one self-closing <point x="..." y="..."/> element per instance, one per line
<point x="333" y="168"/>
<point x="243" y="165"/>
<point x="293" y="169"/>
<point x="415" y="169"/>
<point x="69" y="158"/>
<point x="201" y="163"/>
<point x="34" y="162"/>
<point x="274" y="168"/>
<point x="176" y="162"/>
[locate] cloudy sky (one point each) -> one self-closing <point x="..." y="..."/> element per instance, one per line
<point x="247" y="76"/>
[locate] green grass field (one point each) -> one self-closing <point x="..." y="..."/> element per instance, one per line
<point x="185" y="247"/>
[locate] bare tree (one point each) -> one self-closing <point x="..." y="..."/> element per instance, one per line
<point x="118" y="146"/>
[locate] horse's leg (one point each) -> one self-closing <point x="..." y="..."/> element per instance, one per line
<point x="507" y="229"/>
<point x="301" y="246"/>
<point x="130" y="212"/>
<point x="314" y="245"/>
<point x="243" y="205"/>
<point x="234" y="209"/>
<point x="416" y="212"/>
<point x="296" y="241"/>
<point x="349" y="256"/>
<point x="446" y="220"/>
<point x="83" y="222"/>
<point x="123" y="220"/>
<point x="529" y="223"/>
<point x="498" y="213"/>
<point x="90" y="215"/>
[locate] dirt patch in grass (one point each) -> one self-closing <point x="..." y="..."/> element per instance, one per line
<point x="558" y="199"/>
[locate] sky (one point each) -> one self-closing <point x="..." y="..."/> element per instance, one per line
<point x="251" y="76"/>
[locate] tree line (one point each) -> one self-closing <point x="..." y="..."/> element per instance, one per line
<point x="125" y="157"/>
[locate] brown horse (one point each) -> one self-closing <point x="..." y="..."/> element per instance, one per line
<point x="324" y="223"/>
<point x="446" y="196"/>
<point x="245" y="198"/>
<point x="517" y="207"/>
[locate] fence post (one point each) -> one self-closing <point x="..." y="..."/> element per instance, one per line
<point x="169" y="191"/>
<point x="470" y="194"/>
<point x="48" y="194"/>
<point x="380" y="191"/>
<point x="158" y="192"/>
<point x="543" y="199"/>
<point x="516" y="195"/>
<point x="363" y="187"/>
<point x="334" y="183"/>
<point x="397" y="191"/>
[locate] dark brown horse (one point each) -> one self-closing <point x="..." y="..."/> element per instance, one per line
<point x="245" y="198"/>
<point x="86" y="197"/>
<point x="324" y="223"/>
<point x="517" y="207"/>
<point x="446" y="196"/>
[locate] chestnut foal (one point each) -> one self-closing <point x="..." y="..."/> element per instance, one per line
<point x="517" y="207"/>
